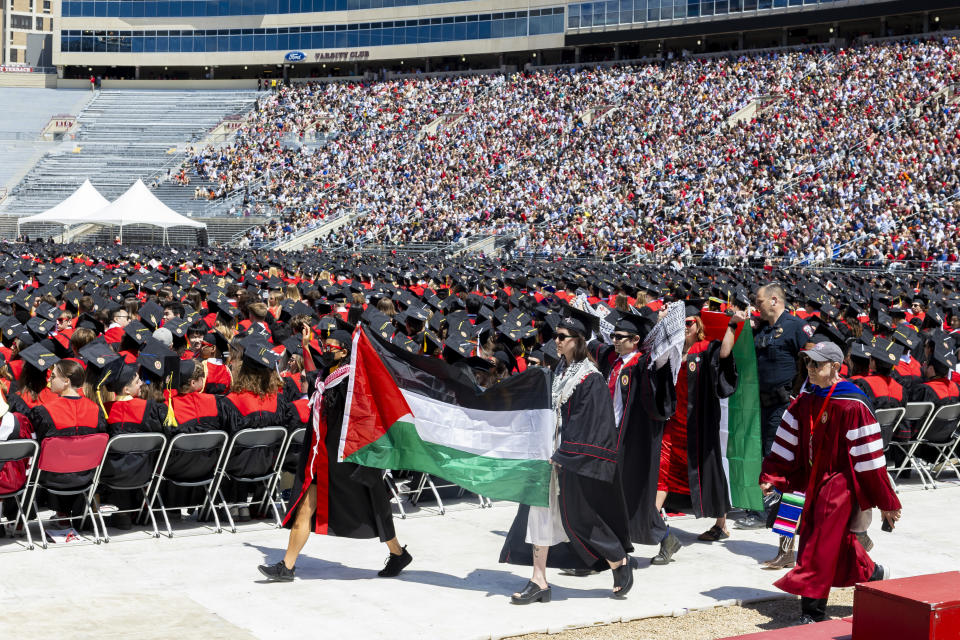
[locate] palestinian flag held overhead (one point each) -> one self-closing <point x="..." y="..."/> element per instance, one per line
<point x="407" y="411"/>
<point x="740" y="438"/>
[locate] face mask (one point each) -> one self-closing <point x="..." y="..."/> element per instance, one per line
<point x="327" y="359"/>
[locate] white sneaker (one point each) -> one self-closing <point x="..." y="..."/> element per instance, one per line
<point x="244" y="514"/>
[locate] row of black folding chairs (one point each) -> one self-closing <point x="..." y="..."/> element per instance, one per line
<point x="939" y="431"/>
<point x="188" y="460"/>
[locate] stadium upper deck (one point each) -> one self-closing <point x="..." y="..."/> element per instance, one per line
<point x="311" y="38"/>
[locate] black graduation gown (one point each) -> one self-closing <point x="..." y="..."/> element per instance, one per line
<point x="710" y="378"/>
<point x="135" y="415"/>
<point x="649" y="399"/>
<point x="246" y="410"/>
<point x="591" y="497"/>
<point x="352" y="501"/>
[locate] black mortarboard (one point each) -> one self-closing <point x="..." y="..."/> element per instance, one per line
<point x="258" y="352"/>
<point x="137" y="332"/>
<point x="455" y="349"/>
<point x="885" y="350"/>
<point x="151" y="314"/>
<point x="102" y="360"/>
<point x="581" y="322"/>
<point x="405" y="343"/>
<point x="906" y="335"/>
<point x="632" y="323"/>
<point x="40" y="327"/>
<point x="47" y="311"/>
<point x="183" y="372"/>
<point x="942" y="355"/>
<point x="39" y="356"/>
<point x="90" y="321"/>
<point x="156" y="360"/>
<point x="177" y="327"/>
<point x="859" y="350"/>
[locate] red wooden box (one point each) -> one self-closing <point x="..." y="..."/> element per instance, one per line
<point x="828" y="630"/>
<point x="918" y="608"/>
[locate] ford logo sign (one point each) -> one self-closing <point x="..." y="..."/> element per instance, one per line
<point x="295" y="56"/>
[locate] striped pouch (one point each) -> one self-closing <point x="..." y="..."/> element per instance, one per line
<point x="788" y="516"/>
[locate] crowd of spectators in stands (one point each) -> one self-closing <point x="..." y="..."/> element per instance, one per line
<point x="851" y="156"/>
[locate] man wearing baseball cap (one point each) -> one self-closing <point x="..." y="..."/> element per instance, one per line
<point x="829" y="447"/>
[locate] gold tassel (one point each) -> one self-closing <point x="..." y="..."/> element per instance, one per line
<point x="100" y="397"/>
<point x="171" y="419"/>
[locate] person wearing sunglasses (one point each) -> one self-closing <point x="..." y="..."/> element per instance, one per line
<point x="355" y="502"/>
<point x="829" y="447"/>
<point x="585" y="525"/>
<point x="643" y="399"/>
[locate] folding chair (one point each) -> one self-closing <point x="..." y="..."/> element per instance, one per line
<point x="191" y="460"/>
<point x="294" y="440"/>
<point x="129" y="447"/>
<point x="940" y="434"/>
<point x="921" y="413"/>
<point x="68" y="454"/>
<point x="14" y="451"/>
<point x="889" y="420"/>
<point x="424" y="482"/>
<point x="237" y="466"/>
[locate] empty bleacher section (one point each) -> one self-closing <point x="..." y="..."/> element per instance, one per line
<point x="123" y="136"/>
<point x="26" y="112"/>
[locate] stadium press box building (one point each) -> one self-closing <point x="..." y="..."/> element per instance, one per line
<point x="303" y="38"/>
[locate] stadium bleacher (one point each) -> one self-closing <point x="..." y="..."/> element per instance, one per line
<point x="123" y="136"/>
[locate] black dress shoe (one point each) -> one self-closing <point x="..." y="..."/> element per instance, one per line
<point x="579" y="573"/>
<point x="395" y="564"/>
<point x="277" y="572"/>
<point x="669" y="546"/>
<point x="532" y="593"/>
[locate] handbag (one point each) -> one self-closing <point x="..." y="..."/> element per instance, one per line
<point x="788" y="515"/>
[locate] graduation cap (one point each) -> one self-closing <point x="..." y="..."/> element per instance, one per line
<point x="222" y="306"/>
<point x="40" y="327"/>
<point x="581" y="322"/>
<point x="943" y="356"/>
<point x="293" y="345"/>
<point x="156" y="360"/>
<point x="378" y="322"/>
<point x="40" y="356"/>
<point x="103" y="362"/>
<point x="259" y="353"/>
<point x="884" y="350"/>
<point x="633" y="323"/>
<point x="183" y="372"/>
<point x="859" y="351"/>
<point x="48" y="311"/>
<point x="906" y="335"/>
<point x="137" y="332"/>
<point x="550" y="352"/>
<point x="151" y="314"/>
<point x="405" y="343"/>
<point x="177" y="327"/>
<point x="456" y="349"/>
<point x="343" y="338"/>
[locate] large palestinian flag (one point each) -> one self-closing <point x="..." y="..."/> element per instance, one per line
<point x="740" y="438"/>
<point x="406" y="411"/>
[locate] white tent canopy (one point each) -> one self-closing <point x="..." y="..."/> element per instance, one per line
<point x="83" y="202"/>
<point x="137" y="205"/>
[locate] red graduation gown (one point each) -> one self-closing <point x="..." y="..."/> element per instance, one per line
<point x="849" y="471"/>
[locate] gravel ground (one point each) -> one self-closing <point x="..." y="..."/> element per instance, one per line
<point x="708" y="624"/>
